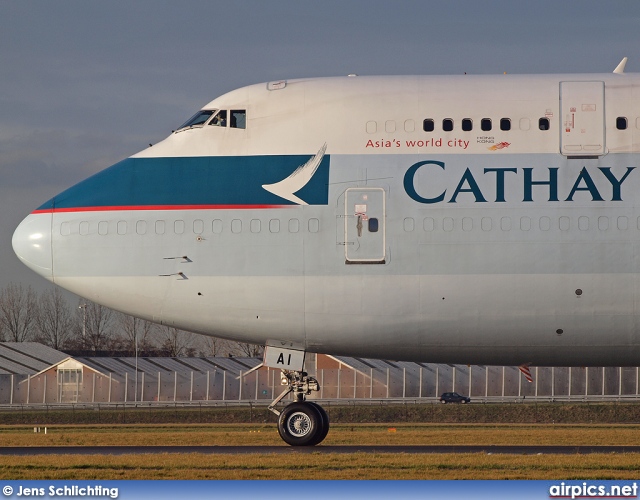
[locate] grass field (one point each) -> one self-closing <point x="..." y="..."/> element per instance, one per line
<point x="340" y="434"/>
<point x="322" y="466"/>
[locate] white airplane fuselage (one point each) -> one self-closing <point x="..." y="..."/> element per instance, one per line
<point x="343" y="216"/>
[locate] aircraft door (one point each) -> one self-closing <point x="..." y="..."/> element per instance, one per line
<point x="364" y="226"/>
<point x="582" y="118"/>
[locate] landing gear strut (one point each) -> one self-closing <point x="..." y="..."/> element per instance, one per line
<point x="301" y="423"/>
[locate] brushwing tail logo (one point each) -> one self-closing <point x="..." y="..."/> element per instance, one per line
<point x="298" y="179"/>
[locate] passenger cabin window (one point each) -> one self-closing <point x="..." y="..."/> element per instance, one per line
<point x="220" y="120"/>
<point x="238" y="118"/>
<point x="428" y="125"/>
<point x="505" y="124"/>
<point x="447" y="124"/>
<point x="467" y="124"/>
<point x="621" y="123"/>
<point x="197" y="120"/>
<point x="485" y="124"/>
<point x="543" y="123"/>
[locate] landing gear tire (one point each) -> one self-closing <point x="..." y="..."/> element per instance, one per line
<point x="325" y="422"/>
<point x="302" y="424"/>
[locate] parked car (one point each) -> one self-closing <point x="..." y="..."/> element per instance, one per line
<point x="454" y="397"/>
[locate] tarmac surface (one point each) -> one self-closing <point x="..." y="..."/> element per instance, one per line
<point x="262" y="450"/>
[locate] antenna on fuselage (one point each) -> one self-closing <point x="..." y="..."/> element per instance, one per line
<point x="620" y="67"/>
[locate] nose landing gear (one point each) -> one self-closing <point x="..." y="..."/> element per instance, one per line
<point x="301" y="423"/>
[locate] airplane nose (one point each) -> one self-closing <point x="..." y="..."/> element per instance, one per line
<point x="32" y="243"/>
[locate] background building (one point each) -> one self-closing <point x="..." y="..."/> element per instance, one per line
<point x="32" y="374"/>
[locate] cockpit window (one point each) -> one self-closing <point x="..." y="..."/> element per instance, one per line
<point x="198" y="119"/>
<point x="220" y="120"/>
<point x="235" y="118"/>
<point x="238" y="118"/>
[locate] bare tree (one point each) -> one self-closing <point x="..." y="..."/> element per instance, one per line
<point x="18" y="312"/>
<point x="53" y="321"/>
<point x="136" y="330"/>
<point x="95" y="326"/>
<point x="213" y="346"/>
<point x="177" y="342"/>
<point x="248" y="350"/>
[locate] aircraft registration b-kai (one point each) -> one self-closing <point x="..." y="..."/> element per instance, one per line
<point x="451" y="219"/>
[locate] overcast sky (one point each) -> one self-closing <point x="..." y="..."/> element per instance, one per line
<point x="84" y="84"/>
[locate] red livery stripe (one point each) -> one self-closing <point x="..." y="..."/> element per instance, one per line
<point x="159" y="207"/>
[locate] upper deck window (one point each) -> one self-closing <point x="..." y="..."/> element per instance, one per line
<point x="447" y="124"/>
<point x="485" y="124"/>
<point x="197" y="120"/>
<point x="428" y="125"/>
<point x="467" y="124"/>
<point x="543" y="124"/>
